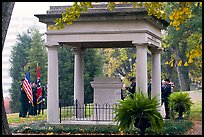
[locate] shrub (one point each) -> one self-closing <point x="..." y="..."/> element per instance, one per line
<point x="176" y="127"/>
<point x="180" y="103"/>
<point x="140" y="111"/>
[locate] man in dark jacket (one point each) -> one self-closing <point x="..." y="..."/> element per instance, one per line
<point x="132" y="86"/>
<point x="33" y="109"/>
<point x="166" y="94"/>
<point x="35" y="99"/>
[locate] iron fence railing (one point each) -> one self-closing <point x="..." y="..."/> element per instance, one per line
<point x="86" y="112"/>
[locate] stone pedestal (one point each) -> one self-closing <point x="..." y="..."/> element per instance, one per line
<point x="107" y="92"/>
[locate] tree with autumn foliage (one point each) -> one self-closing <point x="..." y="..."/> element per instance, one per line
<point x="185" y="48"/>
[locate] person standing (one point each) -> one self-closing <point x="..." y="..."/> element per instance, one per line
<point x="33" y="109"/>
<point x="162" y="92"/>
<point x="149" y="88"/>
<point x="40" y="104"/>
<point x="24" y="101"/>
<point x="34" y="99"/>
<point x="132" y="87"/>
<point x="166" y="94"/>
<point x="44" y="95"/>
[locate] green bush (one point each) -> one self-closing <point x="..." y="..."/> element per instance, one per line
<point x="180" y="103"/>
<point x="138" y="110"/>
<point x="177" y="127"/>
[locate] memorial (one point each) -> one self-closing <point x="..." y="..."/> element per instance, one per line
<point x="123" y="27"/>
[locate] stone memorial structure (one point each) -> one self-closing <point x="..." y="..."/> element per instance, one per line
<point x="107" y="91"/>
<point x="123" y="27"/>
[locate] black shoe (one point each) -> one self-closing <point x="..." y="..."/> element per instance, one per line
<point x="179" y="118"/>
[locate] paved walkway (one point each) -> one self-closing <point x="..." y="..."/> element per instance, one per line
<point x="196" y="96"/>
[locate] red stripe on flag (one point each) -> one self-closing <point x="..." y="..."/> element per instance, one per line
<point x="28" y="89"/>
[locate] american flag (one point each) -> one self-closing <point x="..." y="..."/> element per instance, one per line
<point x="27" y="87"/>
<point x="39" y="88"/>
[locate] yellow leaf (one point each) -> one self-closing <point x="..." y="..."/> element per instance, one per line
<point x="187" y="12"/>
<point x="185" y="9"/>
<point x="181" y="12"/>
<point x="167" y="62"/>
<point x="190" y="60"/>
<point x="171" y="17"/>
<point x="180" y="63"/>
<point x="187" y="55"/>
<point x="177" y="28"/>
<point x="171" y="64"/>
<point x="176" y="16"/>
<point x="176" y="23"/>
<point x="185" y="64"/>
<point x="50" y="133"/>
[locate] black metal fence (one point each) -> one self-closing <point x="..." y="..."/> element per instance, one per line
<point x="87" y="112"/>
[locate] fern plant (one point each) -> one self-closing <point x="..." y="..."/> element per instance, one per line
<point x="180" y="103"/>
<point x="139" y="111"/>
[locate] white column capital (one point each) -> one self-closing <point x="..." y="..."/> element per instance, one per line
<point x="140" y="44"/>
<point x="54" y="47"/>
<point x="51" y="44"/>
<point x="78" y="51"/>
<point x="156" y="50"/>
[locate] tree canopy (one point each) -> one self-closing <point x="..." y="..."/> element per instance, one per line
<point x="28" y="51"/>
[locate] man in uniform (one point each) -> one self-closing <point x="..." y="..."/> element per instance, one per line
<point x="33" y="109"/>
<point x="132" y="86"/>
<point x="166" y="94"/>
<point x="34" y="98"/>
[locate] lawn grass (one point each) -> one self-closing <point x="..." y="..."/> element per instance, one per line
<point x="196" y="111"/>
<point x="15" y="119"/>
<point x="68" y="111"/>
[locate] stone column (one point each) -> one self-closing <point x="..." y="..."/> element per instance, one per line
<point x="79" y="82"/>
<point x="53" y="89"/>
<point x="141" y="67"/>
<point x="156" y="76"/>
<point x="156" y="73"/>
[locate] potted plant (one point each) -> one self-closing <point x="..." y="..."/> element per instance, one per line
<point x="180" y="103"/>
<point x="140" y="111"/>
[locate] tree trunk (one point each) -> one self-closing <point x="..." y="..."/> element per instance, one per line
<point x="5" y="127"/>
<point x="7" y="9"/>
<point x="182" y="72"/>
